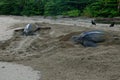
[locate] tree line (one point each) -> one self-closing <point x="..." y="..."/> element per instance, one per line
<point x="72" y="8"/>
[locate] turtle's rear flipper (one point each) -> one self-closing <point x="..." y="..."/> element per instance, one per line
<point x="87" y="43"/>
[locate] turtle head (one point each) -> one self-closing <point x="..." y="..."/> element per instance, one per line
<point x="76" y="39"/>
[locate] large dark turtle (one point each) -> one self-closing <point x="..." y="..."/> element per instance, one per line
<point x="90" y="38"/>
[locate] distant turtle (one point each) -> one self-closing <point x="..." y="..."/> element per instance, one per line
<point x="30" y="29"/>
<point x="112" y="24"/>
<point x="93" y="22"/>
<point x="90" y="38"/>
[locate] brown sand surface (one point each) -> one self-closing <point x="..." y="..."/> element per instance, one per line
<point x="53" y="54"/>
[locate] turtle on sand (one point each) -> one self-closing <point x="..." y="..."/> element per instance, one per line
<point x="30" y="29"/>
<point x="89" y="38"/>
<point x="27" y="29"/>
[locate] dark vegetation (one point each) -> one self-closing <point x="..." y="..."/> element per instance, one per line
<point x="71" y="8"/>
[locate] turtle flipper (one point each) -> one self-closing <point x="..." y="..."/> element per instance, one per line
<point x="87" y="43"/>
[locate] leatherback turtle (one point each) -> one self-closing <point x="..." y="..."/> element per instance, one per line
<point x="27" y="29"/>
<point x="30" y="29"/>
<point x="89" y="38"/>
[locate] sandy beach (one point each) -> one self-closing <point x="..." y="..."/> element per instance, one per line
<point x="53" y="54"/>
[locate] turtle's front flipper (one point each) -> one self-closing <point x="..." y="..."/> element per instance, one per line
<point x="87" y="43"/>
